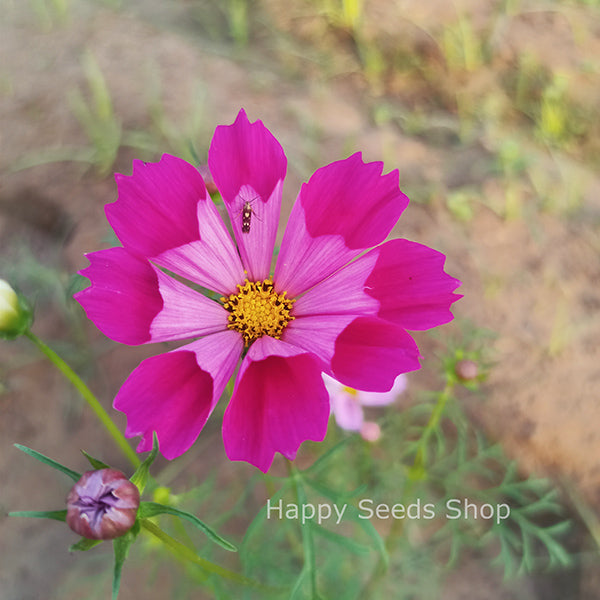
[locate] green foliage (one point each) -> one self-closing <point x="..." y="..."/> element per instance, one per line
<point x="50" y="462"/>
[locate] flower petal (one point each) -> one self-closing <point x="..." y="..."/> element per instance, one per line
<point x="124" y="298"/>
<point x="384" y="398"/>
<point x="133" y="302"/>
<point x="279" y="402"/>
<point x="346" y="207"/>
<point x="341" y="293"/>
<point x="164" y="213"/>
<point x="175" y="393"/>
<point x="248" y="165"/>
<point x="411" y="286"/>
<point x="317" y="334"/>
<point x="345" y="408"/>
<point x="370" y="353"/>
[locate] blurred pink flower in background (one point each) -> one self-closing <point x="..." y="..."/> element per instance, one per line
<point x="347" y="405"/>
<point x="329" y="306"/>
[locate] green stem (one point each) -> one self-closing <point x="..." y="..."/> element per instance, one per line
<point x="183" y="553"/>
<point x="417" y="472"/>
<point x="88" y="396"/>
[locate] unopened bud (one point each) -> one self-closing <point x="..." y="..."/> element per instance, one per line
<point x="102" y="505"/>
<point x="370" y="431"/>
<point x="15" y="316"/>
<point x="466" y="370"/>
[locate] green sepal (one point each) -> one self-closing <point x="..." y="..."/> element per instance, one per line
<point x="97" y="464"/>
<point x="51" y="463"/>
<point x="140" y="477"/>
<point x="84" y="544"/>
<point x="56" y="515"/>
<point x="22" y="322"/>
<point x="152" y="509"/>
<point x="121" y="547"/>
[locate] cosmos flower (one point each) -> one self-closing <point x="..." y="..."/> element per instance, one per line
<point x="102" y="505"/>
<point x="328" y="307"/>
<point x="347" y="404"/>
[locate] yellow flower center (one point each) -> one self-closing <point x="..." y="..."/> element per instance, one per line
<point x="351" y="392"/>
<point x="258" y="310"/>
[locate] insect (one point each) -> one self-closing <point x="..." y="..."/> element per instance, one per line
<point x="247" y="213"/>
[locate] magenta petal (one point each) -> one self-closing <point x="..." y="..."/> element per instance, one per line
<point x="249" y="166"/>
<point x="164" y="213"/>
<point x="124" y="298"/>
<point x="346" y="207"/>
<point x="156" y="208"/>
<point x="279" y="402"/>
<point x="371" y="352"/>
<point x="411" y="286"/>
<point x="175" y="393"/>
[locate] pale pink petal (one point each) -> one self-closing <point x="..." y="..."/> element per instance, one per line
<point x="249" y="166"/>
<point x="164" y="213"/>
<point x="133" y="302"/>
<point x="411" y="286"/>
<point x="175" y="393"/>
<point x="347" y="411"/>
<point x="342" y="293"/>
<point x="384" y="398"/>
<point x="370" y="353"/>
<point x="279" y="402"/>
<point x="186" y="313"/>
<point x="318" y="335"/>
<point x="124" y="297"/>
<point x="345" y="208"/>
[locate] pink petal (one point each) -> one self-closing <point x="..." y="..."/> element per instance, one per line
<point x="411" y="286"/>
<point x="318" y="335"/>
<point x="345" y="407"/>
<point x="342" y="293"/>
<point x="163" y="212"/>
<point x="384" y="398"/>
<point x="175" y="393"/>
<point x="346" y="207"/>
<point x="186" y="313"/>
<point x="370" y="353"/>
<point x="279" y="402"/>
<point x="124" y="297"/>
<point x="133" y="302"/>
<point x="249" y="166"/>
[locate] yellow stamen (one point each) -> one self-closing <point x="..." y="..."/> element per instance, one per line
<point x="258" y="310"/>
<point x="350" y="391"/>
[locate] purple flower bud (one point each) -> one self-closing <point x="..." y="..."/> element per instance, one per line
<point x="102" y="505"/>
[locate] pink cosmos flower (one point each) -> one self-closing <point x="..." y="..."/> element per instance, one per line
<point x="347" y="403"/>
<point x="329" y="306"/>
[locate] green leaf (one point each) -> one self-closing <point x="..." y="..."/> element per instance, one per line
<point x="151" y="509"/>
<point x="97" y="464"/>
<point x="140" y="477"/>
<point x="121" y="547"/>
<point x="341" y="540"/>
<point x="56" y="515"/>
<point x="84" y="544"/>
<point x="51" y="463"/>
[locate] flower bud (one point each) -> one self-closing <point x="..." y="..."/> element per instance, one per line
<point x="466" y="370"/>
<point x="370" y="431"/>
<point x="102" y="505"/>
<point x="15" y="315"/>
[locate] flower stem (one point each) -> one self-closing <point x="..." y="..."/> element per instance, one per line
<point x="88" y="396"/>
<point x="417" y="472"/>
<point x="183" y="553"/>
